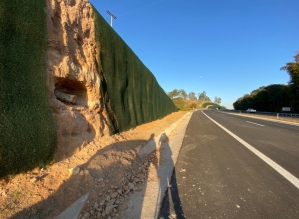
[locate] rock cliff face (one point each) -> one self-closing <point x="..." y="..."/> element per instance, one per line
<point x="73" y="80"/>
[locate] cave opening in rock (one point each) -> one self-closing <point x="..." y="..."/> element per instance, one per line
<point x="71" y="91"/>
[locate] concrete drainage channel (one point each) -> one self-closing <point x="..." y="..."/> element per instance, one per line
<point x="146" y="201"/>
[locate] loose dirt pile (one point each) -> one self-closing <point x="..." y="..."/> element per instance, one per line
<point x="108" y="169"/>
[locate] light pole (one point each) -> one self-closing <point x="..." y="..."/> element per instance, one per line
<point x="111" y="17"/>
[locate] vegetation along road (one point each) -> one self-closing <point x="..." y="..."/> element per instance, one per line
<point x="235" y="167"/>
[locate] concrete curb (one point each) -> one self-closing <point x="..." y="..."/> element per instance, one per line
<point x="151" y="145"/>
<point x="165" y="169"/>
<point x="73" y="211"/>
<point x="146" y="201"/>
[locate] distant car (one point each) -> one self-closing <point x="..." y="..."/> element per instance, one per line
<point x="251" y="110"/>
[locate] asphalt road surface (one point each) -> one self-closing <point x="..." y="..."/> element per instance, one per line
<point x="281" y="116"/>
<point x="250" y="172"/>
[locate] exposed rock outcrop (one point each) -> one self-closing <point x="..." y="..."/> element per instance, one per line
<point x="73" y="80"/>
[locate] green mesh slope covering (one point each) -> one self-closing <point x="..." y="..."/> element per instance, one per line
<point x="27" y="129"/>
<point x="132" y="95"/>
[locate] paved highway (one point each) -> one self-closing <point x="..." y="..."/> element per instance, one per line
<point x="250" y="172"/>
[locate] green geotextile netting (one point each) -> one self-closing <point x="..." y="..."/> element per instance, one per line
<point x="27" y="129"/>
<point x="132" y="94"/>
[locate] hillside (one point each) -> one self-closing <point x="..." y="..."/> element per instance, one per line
<point x="185" y="104"/>
<point x="182" y="104"/>
<point x="44" y="193"/>
<point x="67" y="79"/>
<point x="209" y="105"/>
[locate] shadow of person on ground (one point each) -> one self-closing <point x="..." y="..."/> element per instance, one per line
<point x="133" y="206"/>
<point x="97" y="179"/>
<point x="146" y="203"/>
<point x="102" y="180"/>
<point x="171" y="206"/>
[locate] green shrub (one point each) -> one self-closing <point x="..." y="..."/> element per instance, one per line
<point x="185" y="104"/>
<point x="132" y="95"/>
<point x="27" y="129"/>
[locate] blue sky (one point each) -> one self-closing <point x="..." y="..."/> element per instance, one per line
<point x="226" y="48"/>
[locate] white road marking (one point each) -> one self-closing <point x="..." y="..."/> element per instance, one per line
<point x="286" y="174"/>
<point x="254" y="123"/>
<point x="271" y="120"/>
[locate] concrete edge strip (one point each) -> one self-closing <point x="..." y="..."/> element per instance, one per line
<point x="291" y="178"/>
<point x="73" y="211"/>
<point x="175" y="156"/>
<point x="152" y="144"/>
<point x="155" y="191"/>
<point x="261" y="118"/>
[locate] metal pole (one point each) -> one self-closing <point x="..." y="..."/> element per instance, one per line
<point x="111" y="17"/>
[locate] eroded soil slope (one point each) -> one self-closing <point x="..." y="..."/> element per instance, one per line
<point x="107" y="171"/>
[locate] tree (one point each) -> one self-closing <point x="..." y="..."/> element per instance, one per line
<point x="173" y="94"/>
<point x="217" y="100"/>
<point x="177" y="93"/>
<point x="293" y="70"/>
<point x="193" y="105"/>
<point x="203" y="97"/>
<point x="270" y="98"/>
<point x="192" y="96"/>
<point x="183" y="94"/>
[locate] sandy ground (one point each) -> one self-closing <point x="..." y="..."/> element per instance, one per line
<point x="108" y="169"/>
